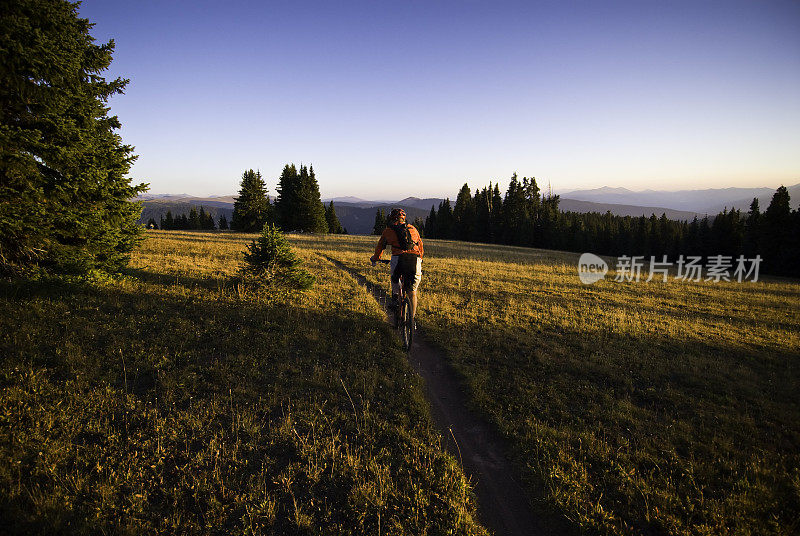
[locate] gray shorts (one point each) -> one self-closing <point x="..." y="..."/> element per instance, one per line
<point x="417" y="275"/>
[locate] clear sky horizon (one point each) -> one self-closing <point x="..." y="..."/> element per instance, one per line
<point x="390" y="100"/>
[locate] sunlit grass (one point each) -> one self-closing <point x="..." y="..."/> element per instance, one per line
<point x="646" y="407"/>
<point x="178" y="400"/>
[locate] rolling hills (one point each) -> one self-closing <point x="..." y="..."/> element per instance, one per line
<point x="358" y="215"/>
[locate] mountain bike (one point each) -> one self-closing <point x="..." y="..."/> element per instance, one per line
<point x="403" y="321"/>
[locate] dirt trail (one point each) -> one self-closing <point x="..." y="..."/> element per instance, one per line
<point x="503" y="506"/>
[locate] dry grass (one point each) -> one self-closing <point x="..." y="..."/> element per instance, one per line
<point x="665" y="408"/>
<point x="176" y="400"/>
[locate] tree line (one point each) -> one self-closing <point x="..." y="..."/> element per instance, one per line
<point x="526" y="217"/>
<point x="195" y="221"/>
<point x="298" y="207"/>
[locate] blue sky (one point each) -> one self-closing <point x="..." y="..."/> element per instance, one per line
<point x="396" y="99"/>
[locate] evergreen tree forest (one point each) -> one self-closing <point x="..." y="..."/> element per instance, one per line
<point x="195" y="221"/>
<point x="525" y="217"/>
<point x="298" y="206"/>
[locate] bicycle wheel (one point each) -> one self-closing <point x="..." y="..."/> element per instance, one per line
<point x="396" y="314"/>
<point x="406" y="325"/>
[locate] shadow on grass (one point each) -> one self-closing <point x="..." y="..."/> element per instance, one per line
<point x="211" y="282"/>
<point x="166" y="356"/>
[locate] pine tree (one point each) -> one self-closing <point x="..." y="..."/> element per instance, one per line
<point x="515" y="213"/>
<point x="430" y="224"/>
<point x="549" y="221"/>
<point x="655" y="236"/>
<point x="793" y="245"/>
<point x="704" y="237"/>
<point x="464" y="214"/>
<point x="419" y="223"/>
<point x="270" y="262"/>
<point x="288" y="199"/>
<point x="752" y="231"/>
<point x="334" y="226"/>
<point x="380" y="222"/>
<point x="64" y="195"/>
<point x="480" y="233"/>
<point x="444" y="220"/>
<point x="641" y="239"/>
<point x="775" y="239"/>
<point x="194" y="220"/>
<point x="251" y="209"/>
<point x="206" y="220"/>
<point x="496" y="207"/>
<point x="530" y="191"/>
<point x="169" y="221"/>
<point x="310" y="209"/>
<point x="223" y="223"/>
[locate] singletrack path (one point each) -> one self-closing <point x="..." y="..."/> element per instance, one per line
<point x="503" y="506"/>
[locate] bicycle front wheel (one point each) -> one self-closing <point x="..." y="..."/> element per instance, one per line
<point x="406" y="325"/>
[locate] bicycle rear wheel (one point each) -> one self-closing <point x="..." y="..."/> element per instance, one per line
<point x="406" y="324"/>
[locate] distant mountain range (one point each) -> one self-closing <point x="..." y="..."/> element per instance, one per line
<point x="577" y="205"/>
<point x="709" y="201"/>
<point x="358" y="215"/>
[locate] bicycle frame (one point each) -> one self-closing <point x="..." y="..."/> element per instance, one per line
<point x="402" y="317"/>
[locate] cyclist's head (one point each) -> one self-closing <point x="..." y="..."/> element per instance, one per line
<point x="397" y="215"/>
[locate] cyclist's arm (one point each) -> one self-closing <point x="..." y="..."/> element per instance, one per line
<point x="418" y="239"/>
<point x="379" y="249"/>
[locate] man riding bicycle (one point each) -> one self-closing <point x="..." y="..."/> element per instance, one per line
<point x="406" y="255"/>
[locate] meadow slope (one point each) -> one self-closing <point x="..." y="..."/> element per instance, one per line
<point x="176" y="400"/>
<point x="645" y="408"/>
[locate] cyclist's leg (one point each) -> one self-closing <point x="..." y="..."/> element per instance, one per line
<point x="412" y="289"/>
<point x="395" y="284"/>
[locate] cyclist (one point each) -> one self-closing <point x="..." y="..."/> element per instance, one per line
<point x="407" y="254"/>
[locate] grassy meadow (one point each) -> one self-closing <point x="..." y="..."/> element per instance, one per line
<point x="175" y="400"/>
<point x="638" y="408"/>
